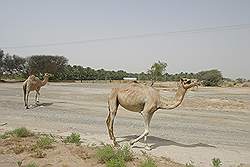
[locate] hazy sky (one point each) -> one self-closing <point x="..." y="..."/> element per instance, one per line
<point x="33" y="22"/>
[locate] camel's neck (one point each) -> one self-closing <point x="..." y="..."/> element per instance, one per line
<point x="171" y="104"/>
<point x="45" y="81"/>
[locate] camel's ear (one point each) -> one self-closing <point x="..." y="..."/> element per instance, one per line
<point x="189" y="81"/>
<point x="181" y="79"/>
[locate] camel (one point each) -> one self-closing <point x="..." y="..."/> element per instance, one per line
<point x="144" y="99"/>
<point x="33" y="84"/>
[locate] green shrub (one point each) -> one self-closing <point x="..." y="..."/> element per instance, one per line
<point x="19" y="163"/>
<point x="149" y="162"/>
<point x="5" y="135"/>
<point x="125" y="153"/>
<point x="216" y="162"/>
<point x="44" y="142"/>
<point x="116" y="162"/>
<point x="105" y="153"/>
<point x="190" y="164"/>
<point x="21" y="132"/>
<point x="210" y="77"/>
<point x="73" y="138"/>
<point x="114" y="157"/>
<point x="32" y="165"/>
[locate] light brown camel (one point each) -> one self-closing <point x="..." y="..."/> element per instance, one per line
<point x="144" y="99"/>
<point x="33" y="84"/>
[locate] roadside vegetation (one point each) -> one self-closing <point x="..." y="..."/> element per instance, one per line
<point x="73" y="138"/>
<point x="19" y="132"/>
<point x="22" y="141"/>
<point x="215" y="162"/>
<point x="114" y="157"/>
<point x="19" y="68"/>
<point x="149" y="162"/>
<point x="32" y="146"/>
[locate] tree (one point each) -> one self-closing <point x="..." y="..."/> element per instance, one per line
<point x="1" y="62"/>
<point x="157" y="71"/>
<point x="40" y="64"/>
<point x="241" y="80"/>
<point x="13" y="64"/>
<point x="210" y="77"/>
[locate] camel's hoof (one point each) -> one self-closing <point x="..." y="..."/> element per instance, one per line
<point x="148" y="148"/>
<point x="116" y="144"/>
<point x="26" y="107"/>
<point x="132" y="142"/>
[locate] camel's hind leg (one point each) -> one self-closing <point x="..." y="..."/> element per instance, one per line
<point x="112" y="106"/>
<point x="37" y="97"/>
<point x="25" y="94"/>
<point x="27" y="100"/>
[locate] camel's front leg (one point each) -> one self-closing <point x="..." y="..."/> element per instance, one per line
<point x="113" y="106"/>
<point x="147" y="118"/>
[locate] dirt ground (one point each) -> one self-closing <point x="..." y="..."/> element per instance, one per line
<point x="211" y="122"/>
<point x="59" y="154"/>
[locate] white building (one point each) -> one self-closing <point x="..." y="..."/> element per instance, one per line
<point x="129" y="79"/>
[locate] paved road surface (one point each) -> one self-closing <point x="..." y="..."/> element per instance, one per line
<point x="197" y="133"/>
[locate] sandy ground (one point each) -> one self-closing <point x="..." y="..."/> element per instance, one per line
<point x="59" y="154"/>
<point x="211" y="122"/>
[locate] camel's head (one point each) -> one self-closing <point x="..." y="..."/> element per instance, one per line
<point x="47" y="75"/>
<point x="187" y="83"/>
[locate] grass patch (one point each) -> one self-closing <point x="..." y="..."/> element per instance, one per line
<point x="114" y="157"/>
<point x="73" y="138"/>
<point x="32" y="165"/>
<point x="149" y="162"/>
<point x="116" y="162"/>
<point x="216" y="162"/>
<point x="22" y="132"/>
<point x="125" y="153"/>
<point x="45" y="142"/>
<point x="190" y="164"/>
<point x="19" y="132"/>
<point x="5" y="135"/>
<point x="105" y="153"/>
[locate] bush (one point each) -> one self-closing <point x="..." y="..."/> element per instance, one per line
<point x="105" y="154"/>
<point x="210" y="77"/>
<point x="216" y="162"/>
<point x="116" y="162"/>
<point x="73" y="138"/>
<point x="44" y="142"/>
<point x="19" y="132"/>
<point x="5" y="135"/>
<point x="125" y="153"/>
<point x="32" y="165"/>
<point x="114" y="157"/>
<point x="149" y="162"/>
<point x="190" y="164"/>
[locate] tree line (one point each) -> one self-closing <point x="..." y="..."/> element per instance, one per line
<point x="16" y="67"/>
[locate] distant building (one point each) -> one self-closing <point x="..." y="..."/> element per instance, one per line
<point x="129" y="79"/>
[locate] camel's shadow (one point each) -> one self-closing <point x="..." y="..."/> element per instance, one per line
<point x="156" y="142"/>
<point x="39" y="105"/>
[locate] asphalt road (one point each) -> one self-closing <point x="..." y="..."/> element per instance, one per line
<point x="212" y="122"/>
